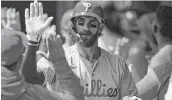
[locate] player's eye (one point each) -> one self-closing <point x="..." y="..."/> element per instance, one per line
<point x="93" y="25"/>
<point x="80" y="23"/>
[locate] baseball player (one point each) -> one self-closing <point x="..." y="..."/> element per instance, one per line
<point x="103" y="76"/>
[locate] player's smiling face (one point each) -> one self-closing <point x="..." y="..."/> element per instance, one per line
<point x="87" y="23"/>
<point x="87" y="27"/>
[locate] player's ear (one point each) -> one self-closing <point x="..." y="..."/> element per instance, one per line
<point x="101" y="26"/>
<point x="71" y="25"/>
<point x="156" y="26"/>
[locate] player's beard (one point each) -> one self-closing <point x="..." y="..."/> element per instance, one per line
<point x="88" y="39"/>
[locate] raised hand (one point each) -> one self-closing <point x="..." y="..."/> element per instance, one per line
<point x="35" y="23"/>
<point x="54" y="50"/>
<point x="3" y="17"/>
<point x="13" y="19"/>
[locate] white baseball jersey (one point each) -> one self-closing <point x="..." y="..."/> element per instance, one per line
<point x="48" y="70"/>
<point x="106" y="79"/>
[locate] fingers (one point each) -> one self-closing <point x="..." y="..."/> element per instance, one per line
<point x="47" y="23"/>
<point x="35" y="1"/>
<point x="53" y="28"/>
<point x="9" y="15"/>
<point x="26" y="13"/>
<point x="45" y="16"/>
<point x="48" y="42"/>
<point x="36" y="11"/>
<point x="13" y="13"/>
<point x="3" y="23"/>
<point x="58" y="38"/>
<point x="31" y="10"/>
<point x="40" y="9"/>
<point x="17" y="16"/>
<point x="36" y="8"/>
<point x="51" y="35"/>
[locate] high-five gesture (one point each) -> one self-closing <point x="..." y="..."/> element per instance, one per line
<point x="35" y="23"/>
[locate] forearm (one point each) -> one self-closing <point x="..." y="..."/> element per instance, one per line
<point x="29" y="63"/>
<point x="148" y="82"/>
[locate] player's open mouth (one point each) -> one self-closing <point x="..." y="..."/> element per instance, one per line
<point x="85" y="34"/>
<point x="135" y="31"/>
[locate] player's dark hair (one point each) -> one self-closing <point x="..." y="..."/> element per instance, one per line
<point x="164" y="17"/>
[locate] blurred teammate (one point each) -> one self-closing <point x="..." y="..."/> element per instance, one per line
<point x="160" y="65"/>
<point x="143" y="48"/>
<point x="14" y="86"/>
<point x="10" y="18"/>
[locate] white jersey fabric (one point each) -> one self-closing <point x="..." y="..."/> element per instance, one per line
<point x="107" y="79"/>
<point x="51" y="82"/>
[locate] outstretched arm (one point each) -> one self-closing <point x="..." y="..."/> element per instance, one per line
<point x="35" y="26"/>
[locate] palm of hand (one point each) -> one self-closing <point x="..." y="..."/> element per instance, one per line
<point x="56" y="50"/>
<point x="34" y="25"/>
<point x="16" y="25"/>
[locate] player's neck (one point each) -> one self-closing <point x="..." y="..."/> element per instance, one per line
<point x="91" y="54"/>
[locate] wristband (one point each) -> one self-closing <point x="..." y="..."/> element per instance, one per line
<point x="32" y="44"/>
<point x="34" y="38"/>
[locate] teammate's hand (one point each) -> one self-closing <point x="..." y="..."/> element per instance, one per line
<point x="35" y="23"/>
<point x="12" y="19"/>
<point x="54" y="50"/>
<point x="126" y="98"/>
